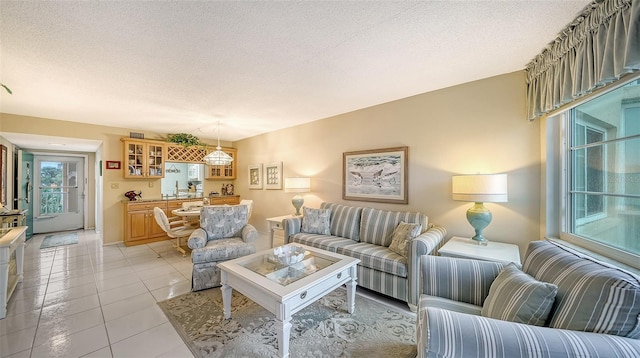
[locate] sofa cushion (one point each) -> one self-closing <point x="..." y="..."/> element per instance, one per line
<point x="376" y="257"/>
<point x="449" y="305"/>
<point x="345" y="220"/>
<point x="402" y="236"/>
<point x="517" y="297"/>
<point x="592" y="296"/>
<point x="324" y="242"/>
<point x="223" y="221"/>
<point x="222" y="250"/>
<point x="316" y="221"/>
<point x="376" y="226"/>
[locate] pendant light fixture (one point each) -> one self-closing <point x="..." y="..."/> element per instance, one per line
<point x="218" y="157"/>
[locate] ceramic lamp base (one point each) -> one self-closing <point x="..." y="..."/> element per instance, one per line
<point x="297" y="202"/>
<point x="479" y="217"/>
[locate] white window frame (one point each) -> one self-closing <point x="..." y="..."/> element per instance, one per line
<point x="558" y="179"/>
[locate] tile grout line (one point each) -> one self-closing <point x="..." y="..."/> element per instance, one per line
<point x="104" y="320"/>
<point x="35" y="334"/>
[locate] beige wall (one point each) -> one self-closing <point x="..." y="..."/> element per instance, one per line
<point x="477" y="127"/>
<point x="111" y="213"/>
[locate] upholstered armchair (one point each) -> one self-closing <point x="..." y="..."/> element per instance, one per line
<point x="224" y="234"/>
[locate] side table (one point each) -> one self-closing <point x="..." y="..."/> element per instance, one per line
<point x="277" y="230"/>
<point x="11" y="263"/>
<point x="468" y="249"/>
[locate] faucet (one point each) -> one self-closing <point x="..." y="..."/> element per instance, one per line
<point x="177" y="189"/>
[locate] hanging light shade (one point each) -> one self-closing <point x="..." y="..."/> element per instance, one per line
<point x="218" y="157"/>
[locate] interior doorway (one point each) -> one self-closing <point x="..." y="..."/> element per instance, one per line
<point x="59" y="196"/>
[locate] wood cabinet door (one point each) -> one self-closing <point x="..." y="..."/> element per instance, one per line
<point x="154" y="229"/>
<point x="137" y="225"/>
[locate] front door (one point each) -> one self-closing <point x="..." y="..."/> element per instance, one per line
<point x="23" y="195"/>
<point x="59" y="193"/>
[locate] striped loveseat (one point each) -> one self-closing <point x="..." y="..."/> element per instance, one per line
<point x="365" y="233"/>
<point x="592" y="308"/>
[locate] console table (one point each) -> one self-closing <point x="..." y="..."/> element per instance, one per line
<point x="13" y="218"/>
<point x="11" y="263"/>
<point x="276" y="229"/>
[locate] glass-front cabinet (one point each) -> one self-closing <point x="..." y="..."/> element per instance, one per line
<point x="143" y="159"/>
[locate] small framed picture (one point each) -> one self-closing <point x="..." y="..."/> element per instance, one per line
<point x="255" y="176"/>
<point x="273" y="176"/>
<point x="112" y="164"/>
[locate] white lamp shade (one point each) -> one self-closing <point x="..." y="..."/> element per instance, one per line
<point x="480" y="188"/>
<point x="218" y="157"/>
<point x="297" y="185"/>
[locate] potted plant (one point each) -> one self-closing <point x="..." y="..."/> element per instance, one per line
<point x="184" y="139"/>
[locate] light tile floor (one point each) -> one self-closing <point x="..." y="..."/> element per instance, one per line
<point x="89" y="300"/>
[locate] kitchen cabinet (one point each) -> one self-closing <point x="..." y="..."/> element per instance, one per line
<point x="223" y="171"/>
<point x="143" y="159"/>
<point x="222" y="200"/>
<point x="140" y="223"/>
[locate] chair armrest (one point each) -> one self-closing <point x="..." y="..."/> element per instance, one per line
<point x="458" y="279"/>
<point x="291" y="226"/>
<point x="176" y="222"/>
<point x="197" y="239"/>
<point x="443" y="333"/>
<point x="428" y="242"/>
<point x="249" y="233"/>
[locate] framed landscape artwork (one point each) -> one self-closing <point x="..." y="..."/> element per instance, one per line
<point x="273" y="176"/>
<point x="377" y="175"/>
<point x="255" y="176"/>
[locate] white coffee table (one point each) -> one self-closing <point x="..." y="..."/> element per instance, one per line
<point x="284" y="290"/>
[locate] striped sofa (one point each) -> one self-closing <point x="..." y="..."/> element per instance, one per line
<point x="365" y="233"/>
<point x="596" y="311"/>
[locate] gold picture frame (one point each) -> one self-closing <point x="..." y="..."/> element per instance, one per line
<point x="376" y="175"/>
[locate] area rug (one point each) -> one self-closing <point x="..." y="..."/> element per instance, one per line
<point x="323" y="329"/>
<point x="59" y="240"/>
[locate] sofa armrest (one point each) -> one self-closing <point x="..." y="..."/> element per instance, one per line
<point x="249" y="233"/>
<point x="462" y="280"/>
<point x="197" y="239"/>
<point x="291" y="226"/>
<point x="443" y="333"/>
<point x="428" y="242"/>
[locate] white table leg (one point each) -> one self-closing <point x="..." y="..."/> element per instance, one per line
<point x="351" y="291"/>
<point x="226" y="296"/>
<point x="284" y="335"/>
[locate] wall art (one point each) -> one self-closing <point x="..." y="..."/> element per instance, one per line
<point x="377" y="175"/>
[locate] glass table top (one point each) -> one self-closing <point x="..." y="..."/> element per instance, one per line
<point x="269" y="266"/>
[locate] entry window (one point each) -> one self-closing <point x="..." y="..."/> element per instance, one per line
<point x="58" y="188"/>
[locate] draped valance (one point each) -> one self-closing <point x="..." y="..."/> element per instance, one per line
<point x="597" y="48"/>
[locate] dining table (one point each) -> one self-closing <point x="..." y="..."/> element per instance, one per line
<point x="191" y="215"/>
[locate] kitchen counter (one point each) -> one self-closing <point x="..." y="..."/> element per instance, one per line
<point x="173" y="198"/>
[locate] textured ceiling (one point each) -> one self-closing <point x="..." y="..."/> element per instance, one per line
<point x="175" y="66"/>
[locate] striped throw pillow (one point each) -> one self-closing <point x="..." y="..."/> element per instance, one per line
<point x="517" y="297"/>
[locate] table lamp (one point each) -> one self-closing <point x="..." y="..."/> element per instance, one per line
<point x="297" y="185"/>
<point x="480" y="189"/>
